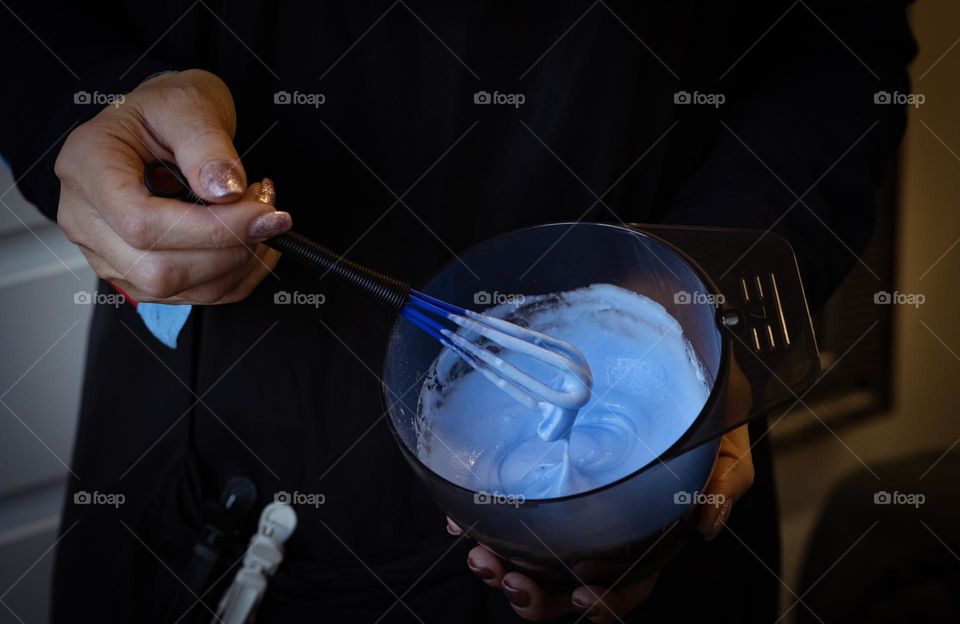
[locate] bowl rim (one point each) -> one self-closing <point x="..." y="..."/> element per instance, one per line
<point x="718" y="388"/>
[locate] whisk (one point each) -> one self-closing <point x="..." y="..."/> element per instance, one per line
<point x="558" y="401"/>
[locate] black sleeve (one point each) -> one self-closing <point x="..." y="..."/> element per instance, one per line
<point x="803" y="121"/>
<point x="64" y="61"/>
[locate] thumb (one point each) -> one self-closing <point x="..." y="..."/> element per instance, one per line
<point x="732" y="477"/>
<point x="733" y="472"/>
<point x="196" y="119"/>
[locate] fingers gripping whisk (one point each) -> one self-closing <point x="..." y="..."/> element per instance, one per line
<point x="453" y="326"/>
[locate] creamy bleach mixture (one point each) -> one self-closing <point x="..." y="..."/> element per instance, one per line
<point x="648" y="388"/>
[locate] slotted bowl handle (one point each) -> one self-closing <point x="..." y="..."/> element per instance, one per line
<point x="764" y="314"/>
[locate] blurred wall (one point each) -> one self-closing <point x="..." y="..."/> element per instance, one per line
<point x="926" y="372"/>
<point x="42" y="339"/>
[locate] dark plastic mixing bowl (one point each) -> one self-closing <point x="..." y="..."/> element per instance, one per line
<point x="631" y="525"/>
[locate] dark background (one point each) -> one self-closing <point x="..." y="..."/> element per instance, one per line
<point x="884" y="418"/>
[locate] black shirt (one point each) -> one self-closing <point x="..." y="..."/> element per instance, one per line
<point x="400" y="167"/>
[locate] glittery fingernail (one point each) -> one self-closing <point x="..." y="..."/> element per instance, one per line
<point x="269" y="225"/>
<point x="221" y="179"/>
<point x="267" y="193"/>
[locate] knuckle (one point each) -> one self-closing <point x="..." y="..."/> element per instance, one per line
<point x="208" y="299"/>
<point x="63" y="164"/>
<point x="71" y="152"/>
<point x="66" y="222"/>
<point x="206" y="92"/>
<point x="208" y="131"/>
<point x="202" y="76"/>
<point x="184" y="93"/>
<point x="203" y="297"/>
<point x="218" y="235"/>
<point x="157" y="278"/>
<point x="191" y="98"/>
<point x="135" y="230"/>
<point x="207" y="294"/>
<point x="228" y="298"/>
<point x="236" y="257"/>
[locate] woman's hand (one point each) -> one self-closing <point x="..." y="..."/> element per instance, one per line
<point x="165" y="250"/>
<point x="731" y="478"/>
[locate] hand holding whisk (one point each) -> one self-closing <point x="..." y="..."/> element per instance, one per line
<point x="440" y="319"/>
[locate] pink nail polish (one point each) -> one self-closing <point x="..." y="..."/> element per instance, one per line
<point x="453" y="529"/>
<point x="221" y="179"/>
<point x="480" y="571"/>
<point x="581" y="606"/>
<point x="517" y="597"/>
<point x="269" y="225"/>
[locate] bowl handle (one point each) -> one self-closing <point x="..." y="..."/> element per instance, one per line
<point x="763" y="313"/>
